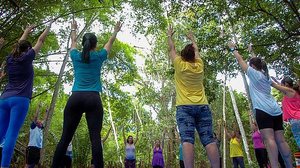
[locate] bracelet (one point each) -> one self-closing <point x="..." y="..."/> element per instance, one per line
<point x="231" y="49"/>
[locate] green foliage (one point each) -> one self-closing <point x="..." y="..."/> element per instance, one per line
<point x="149" y="106"/>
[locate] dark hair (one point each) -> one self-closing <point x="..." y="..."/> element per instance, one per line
<point x="290" y="82"/>
<point x="20" y="47"/>
<point x="89" y="42"/>
<point x="128" y="138"/>
<point x="260" y="65"/>
<point x="287" y="80"/>
<point x="188" y="53"/>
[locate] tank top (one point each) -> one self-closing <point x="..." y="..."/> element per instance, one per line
<point x="291" y="107"/>
<point x="257" y="141"/>
<point x="130" y="151"/>
<point x="235" y="148"/>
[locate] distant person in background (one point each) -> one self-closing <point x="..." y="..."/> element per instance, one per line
<point x="236" y="151"/>
<point x="218" y="142"/>
<point x="181" y="163"/>
<point x="259" y="147"/>
<point x="158" y="157"/>
<point x="67" y="161"/>
<point x="15" y="98"/>
<point x="130" y="158"/>
<point x="33" y="151"/>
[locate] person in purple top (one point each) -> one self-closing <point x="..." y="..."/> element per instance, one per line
<point x="158" y="158"/>
<point x="15" y="98"/>
<point x="259" y="147"/>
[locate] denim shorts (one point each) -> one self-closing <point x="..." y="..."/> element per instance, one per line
<point x="295" y="126"/>
<point x="190" y="117"/>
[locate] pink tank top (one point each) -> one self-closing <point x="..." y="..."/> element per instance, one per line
<point x="291" y="107"/>
<point x="257" y="141"/>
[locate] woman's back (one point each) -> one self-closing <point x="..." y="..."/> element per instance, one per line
<point x="260" y="92"/>
<point x="87" y="75"/>
<point x="20" y="75"/>
<point x="291" y="107"/>
<point x="189" y="82"/>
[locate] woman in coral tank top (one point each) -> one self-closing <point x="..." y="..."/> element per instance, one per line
<point x="291" y="106"/>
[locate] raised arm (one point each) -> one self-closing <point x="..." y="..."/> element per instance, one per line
<point x="124" y="138"/>
<point x="26" y="32"/>
<point x="289" y="92"/>
<point x="172" y="50"/>
<point x="2" y="70"/>
<point x="250" y="49"/>
<point x="239" y="58"/>
<point x="1" y="42"/>
<point x="227" y="133"/>
<point x="107" y="134"/>
<point x="191" y="37"/>
<point x="111" y="40"/>
<point x="37" y="113"/>
<point x="41" y="39"/>
<point x="73" y="34"/>
<point x="137" y="136"/>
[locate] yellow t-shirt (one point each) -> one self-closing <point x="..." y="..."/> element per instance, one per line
<point x="235" y="148"/>
<point x="189" y="82"/>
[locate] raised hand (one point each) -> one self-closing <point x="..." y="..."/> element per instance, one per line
<point x="74" y="25"/>
<point x="170" y="31"/>
<point x="1" y="41"/>
<point x="29" y="28"/>
<point x="231" y="44"/>
<point x="118" y="27"/>
<point x="190" y="36"/>
<point x="250" y="47"/>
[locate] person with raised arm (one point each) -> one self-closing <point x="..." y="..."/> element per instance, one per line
<point x="33" y="150"/>
<point x="268" y="114"/>
<point x="192" y="109"/>
<point x="290" y="105"/>
<point x="85" y="96"/>
<point x="15" y="98"/>
<point x="261" y="153"/>
<point x="236" y="150"/>
<point x="158" y="155"/>
<point x="130" y="159"/>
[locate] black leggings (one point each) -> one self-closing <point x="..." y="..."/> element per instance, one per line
<point x="262" y="157"/>
<point x="78" y="103"/>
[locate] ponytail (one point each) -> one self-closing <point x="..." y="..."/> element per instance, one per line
<point x="85" y="57"/>
<point x="16" y="51"/>
<point x="260" y="65"/>
<point x="289" y="81"/>
<point x="20" y="47"/>
<point x="89" y="42"/>
<point x="265" y="69"/>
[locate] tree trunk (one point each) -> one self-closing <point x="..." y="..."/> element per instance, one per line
<point x="239" y="121"/>
<point x="113" y="127"/>
<point x="224" y="120"/>
<point x="52" y="105"/>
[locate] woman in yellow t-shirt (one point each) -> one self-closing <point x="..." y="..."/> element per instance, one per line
<point x="236" y="151"/>
<point x="192" y="109"/>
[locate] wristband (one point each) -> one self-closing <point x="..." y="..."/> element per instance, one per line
<point x="231" y="49"/>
